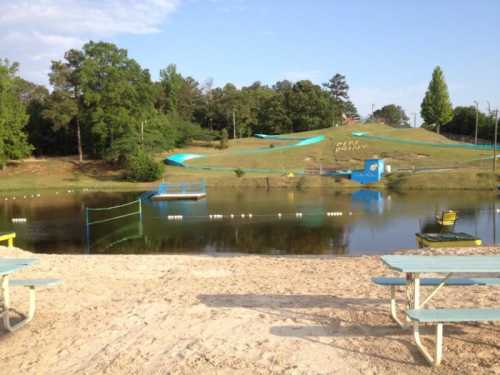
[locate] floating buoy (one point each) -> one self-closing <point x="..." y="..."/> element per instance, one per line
<point x="232" y="216"/>
<point x="242" y="216"/>
<point x="279" y="215"/>
<point x="250" y="216"/>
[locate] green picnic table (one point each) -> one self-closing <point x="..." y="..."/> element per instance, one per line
<point x="415" y="265"/>
<point x="9" y="266"/>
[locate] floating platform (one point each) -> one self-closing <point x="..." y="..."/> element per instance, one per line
<point x="178" y="196"/>
<point x="448" y="239"/>
<point x="180" y="191"/>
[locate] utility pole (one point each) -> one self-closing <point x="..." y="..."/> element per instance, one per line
<point x="495" y="143"/>
<point x="373" y="110"/>
<point x="414" y="119"/>
<point x="234" y="124"/>
<point x="477" y="121"/>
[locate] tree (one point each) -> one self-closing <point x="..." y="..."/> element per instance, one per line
<point x="309" y="106"/>
<point x="223" y="139"/>
<point x="350" y="111"/>
<point x="464" y="123"/>
<point x="13" y="116"/>
<point x="436" y="108"/>
<point x="118" y="99"/>
<point x="392" y="115"/>
<point x="339" y="93"/>
<point x="64" y="106"/>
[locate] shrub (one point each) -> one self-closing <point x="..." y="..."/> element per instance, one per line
<point x="141" y="167"/>
<point x="224" y="137"/>
<point x="239" y="172"/>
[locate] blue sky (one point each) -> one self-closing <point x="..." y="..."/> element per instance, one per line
<point x="386" y="49"/>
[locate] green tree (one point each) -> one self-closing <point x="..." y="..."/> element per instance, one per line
<point x="338" y="89"/>
<point x="436" y="108"/>
<point x="13" y="116"/>
<point x="351" y="111"/>
<point x="392" y="115"/>
<point x="223" y="139"/>
<point x="309" y="107"/>
<point x="178" y="95"/>
<point x="464" y="123"/>
<point x="118" y="99"/>
<point x="64" y="107"/>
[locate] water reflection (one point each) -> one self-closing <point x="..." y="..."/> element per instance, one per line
<point x="379" y="222"/>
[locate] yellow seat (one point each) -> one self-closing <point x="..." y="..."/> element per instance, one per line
<point x="447" y="218"/>
<point x="9" y="237"/>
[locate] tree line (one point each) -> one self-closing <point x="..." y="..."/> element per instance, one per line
<point x="439" y="114"/>
<point x="103" y="104"/>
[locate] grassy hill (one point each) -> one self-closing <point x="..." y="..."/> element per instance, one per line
<point x="450" y="168"/>
<point x="342" y="150"/>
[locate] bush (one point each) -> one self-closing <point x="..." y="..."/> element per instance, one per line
<point x="239" y="172"/>
<point x="141" y="167"/>
<point x="224" y="137"/>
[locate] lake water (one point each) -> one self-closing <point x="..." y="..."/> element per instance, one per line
<point x="371" y="222"/>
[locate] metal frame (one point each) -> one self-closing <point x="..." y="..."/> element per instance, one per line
<point x="413" y="302"/>
<point x="6" y="306"/>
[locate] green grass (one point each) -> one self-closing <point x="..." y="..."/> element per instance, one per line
<point x="66" y="173"/>
<point x="332" y="153"/>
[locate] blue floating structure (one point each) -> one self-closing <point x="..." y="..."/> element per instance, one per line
<point x="374" y="169"/>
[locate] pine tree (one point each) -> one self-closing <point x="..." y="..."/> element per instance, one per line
<point x="436" y="108"/>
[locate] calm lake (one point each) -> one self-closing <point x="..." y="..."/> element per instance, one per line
<point x="370" y="222"/>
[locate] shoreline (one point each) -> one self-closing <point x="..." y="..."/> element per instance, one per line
<point x="402" y="182"/>
<point x="246" y="314"/>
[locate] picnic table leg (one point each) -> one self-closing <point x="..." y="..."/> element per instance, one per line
<point x="6" y="304"/>
<point x="416" y="328"/>
<point x="394" y="308"/>
<point x="10" y="242"/>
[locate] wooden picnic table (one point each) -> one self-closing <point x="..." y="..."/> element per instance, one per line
<point x="415" y="265"/>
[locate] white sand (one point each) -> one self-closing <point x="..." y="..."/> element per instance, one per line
<point x="183" y="314"/>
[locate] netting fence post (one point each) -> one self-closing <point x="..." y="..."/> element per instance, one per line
<point x="87" y="231"/>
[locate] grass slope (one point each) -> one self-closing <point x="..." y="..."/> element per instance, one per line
<point x="340" y="150"/>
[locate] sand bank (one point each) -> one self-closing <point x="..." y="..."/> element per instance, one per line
<point x="182" y="314"/>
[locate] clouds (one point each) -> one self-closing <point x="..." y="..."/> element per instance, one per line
<point x="34" y="32"/>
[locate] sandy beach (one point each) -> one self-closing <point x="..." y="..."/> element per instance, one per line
<point x="231" y="314"/>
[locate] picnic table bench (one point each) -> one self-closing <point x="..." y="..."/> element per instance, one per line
<point x="414" y="266"/>
<point x="8" y="266"/>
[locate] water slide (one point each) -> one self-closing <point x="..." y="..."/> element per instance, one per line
<point x="181" y="159"/>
